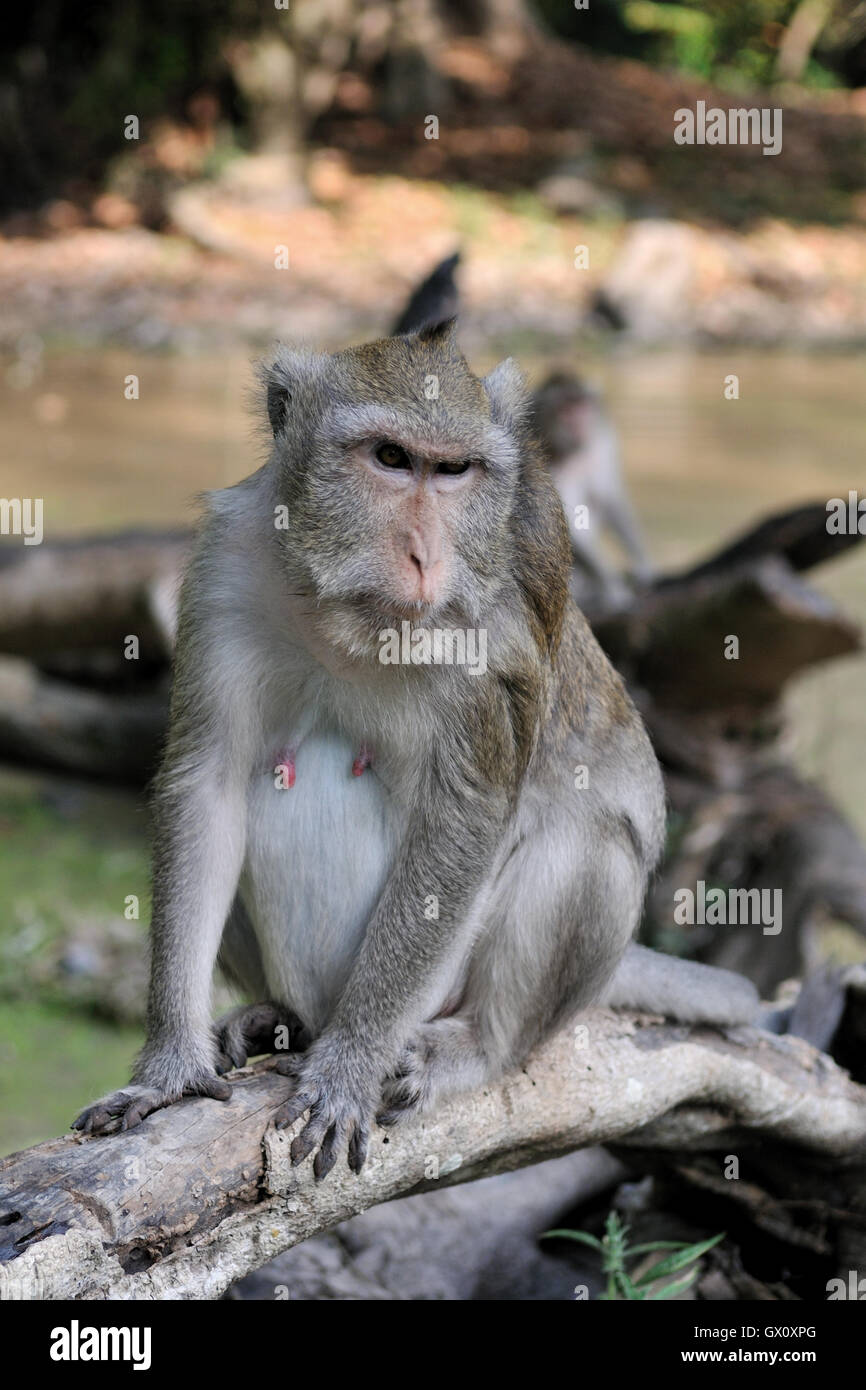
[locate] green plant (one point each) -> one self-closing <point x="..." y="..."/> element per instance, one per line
<point x="616" y="1252"/>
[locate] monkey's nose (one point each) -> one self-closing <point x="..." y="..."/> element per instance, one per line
<point x="426" y="575"/>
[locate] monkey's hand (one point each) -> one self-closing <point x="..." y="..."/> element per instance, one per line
<point x="125" y="1109"/>
<point x="340" y="1088"/>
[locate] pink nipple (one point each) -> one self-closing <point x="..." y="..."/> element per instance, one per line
<point x="286" y="765"/>
<point x="362" y="761"/>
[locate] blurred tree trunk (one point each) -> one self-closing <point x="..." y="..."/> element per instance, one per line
<point x="289" y="71"/>
<point x="801" y="34"/>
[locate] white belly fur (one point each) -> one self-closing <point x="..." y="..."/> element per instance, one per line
<point x="316" y="862"/>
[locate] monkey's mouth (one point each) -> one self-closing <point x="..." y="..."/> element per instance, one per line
<point x="378" y="610"/>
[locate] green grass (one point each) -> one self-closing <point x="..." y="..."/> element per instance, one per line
<point x="51" y="1064"/>
<point x="69" y="857"/>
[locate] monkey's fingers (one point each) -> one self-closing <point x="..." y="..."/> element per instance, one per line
<point x="251" y="1030"/>
<point x="358" y="1146"/>
<point x="290" y="1065"/>
<point x="314" y="1131"/>
<point x="388" y="1118"/>
<point x="232" y="1052"/>
<point x="330" y="1148"/>
<point x="141" y="1108"/>
<point x="401" y="1095"/>
<point x="120" y="1110"/>
<point x="212" y="1086"/>
<point x="289" y="1112"/>
<point x="94" y="1119"/>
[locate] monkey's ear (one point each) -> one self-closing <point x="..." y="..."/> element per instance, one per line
<point x="281" y="379"/>
<point x="442" y="332"/>
<point x="506" y="391"/>
<point x="278" y="405"/>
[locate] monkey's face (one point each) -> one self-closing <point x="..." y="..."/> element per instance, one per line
<point x="400" y="498"/>
<point x="415" y="501"/>
<point x="566" y="412"/>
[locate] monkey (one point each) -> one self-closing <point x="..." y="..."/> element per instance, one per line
<point x="583" y="453"/>
<point x="433" y="301"/>
<point x="394" y="858"/>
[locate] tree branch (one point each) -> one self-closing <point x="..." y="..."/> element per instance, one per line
<point x="202" y="1193"/>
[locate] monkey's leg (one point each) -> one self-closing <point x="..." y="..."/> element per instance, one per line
<point x="589" y="557"/>
<point x="251" y="1029"/>
<point x="553" y="941"/>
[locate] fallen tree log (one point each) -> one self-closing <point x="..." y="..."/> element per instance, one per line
<point x="799" y="536"/>
<point x="52" y="724"/>
<point x="781" y="624"/>
<point x="202" y="1193"/>
<point x="90" y="593"/>
<point x="476" y="1241"/>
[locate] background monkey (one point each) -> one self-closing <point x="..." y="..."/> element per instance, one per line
<point x="426" y="894"/>
<point x="581" y="446"/>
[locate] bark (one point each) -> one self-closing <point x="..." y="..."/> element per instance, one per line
<point x="781" y="624"/>
<point x="202" y="1193"/>
<point x="90" y="594"/>
<point x="478" y="1241"/>
<point x="52" y="724"/>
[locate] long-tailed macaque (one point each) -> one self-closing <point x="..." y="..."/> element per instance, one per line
<point x="582" y="449"/>
<point x="416" y="864"/>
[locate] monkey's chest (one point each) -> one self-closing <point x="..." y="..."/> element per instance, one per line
<point x="321" y="837"/>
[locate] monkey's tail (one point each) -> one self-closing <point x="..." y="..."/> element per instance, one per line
<point x="682" y="989"/>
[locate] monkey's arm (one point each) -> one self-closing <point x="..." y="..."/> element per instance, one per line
<point x="406" y="963"/>
<point x="621" y="519"/>
<point x="200" y="810"/>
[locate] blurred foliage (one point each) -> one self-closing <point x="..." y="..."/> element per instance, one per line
<point x="70" y="74"/>
<point x="734" y="43"/>
<point x="70" y="856"/>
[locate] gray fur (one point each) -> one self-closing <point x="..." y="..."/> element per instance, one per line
<point x="321" y="894"/>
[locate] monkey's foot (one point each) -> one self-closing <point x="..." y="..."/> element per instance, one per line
<point x="125" y="1109"/>
<point x="403" y="1090"/>
<point x="340" y="1099"/>
<point x="443" y="1056"/>
<point x="254" y="1029"/>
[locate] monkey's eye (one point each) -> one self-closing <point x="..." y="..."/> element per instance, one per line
<point x="454" y="467"/>
<point x="392" y="456"/>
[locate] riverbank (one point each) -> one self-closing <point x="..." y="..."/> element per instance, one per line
<point x="216" y="275"/>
